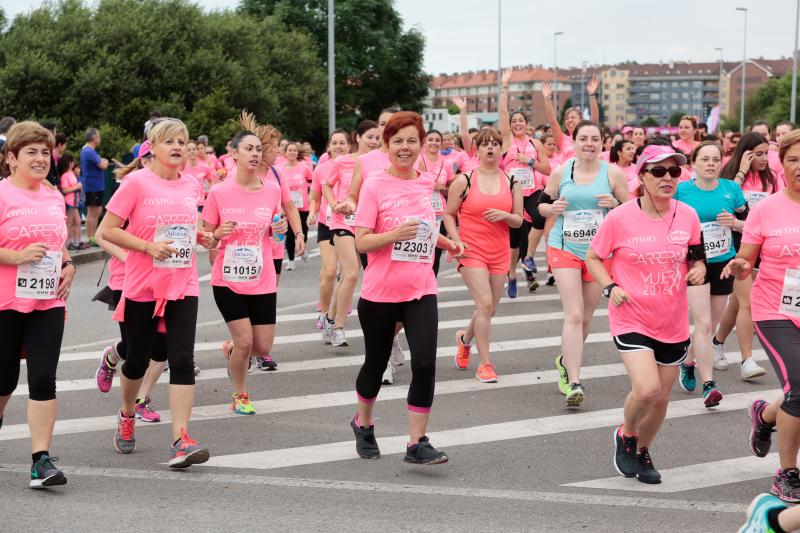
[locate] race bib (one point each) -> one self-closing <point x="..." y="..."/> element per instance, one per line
<point x="790" y="295"/>
<point x="328" y="215"/>
<point x="184" y="237"/>
<point x="419" y="249"/>
<point x="753" y="197"/>
<point x="350" y="220"/>
<point x="297" y="198"/>
<point x="580" y="227"/>
<point x="523" y="176"/>
<point x="716" y="239"/>
<point x="39" y="280"/>
<point x="436" y="201"/>
<point x="242" y="263"/>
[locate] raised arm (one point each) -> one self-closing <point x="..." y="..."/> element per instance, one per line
<point x="594" y="109"/>
<point x="555" y="127"/>
<point x="466" y="140"/>
<point x="505" y="123"/>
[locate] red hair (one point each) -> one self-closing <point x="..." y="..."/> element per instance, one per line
<point x="400" y="120"/>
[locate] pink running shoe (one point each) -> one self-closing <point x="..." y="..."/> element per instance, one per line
<point x="146" y="413"/>
<point x="105" y="373"/>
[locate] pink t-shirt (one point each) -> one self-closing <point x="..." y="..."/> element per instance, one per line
<point x="278" y="246"/>
<point x="510" y="163"/>
<point x="605" y="156"/>
<point x="754" y="191"/>
<point x="252" y="211"/>
<point x="687" y="147"/>
<point x="116" y="274"/>
<point x="204" y="176"/>
<point x="321" y="174"/>
<point x="442" y="172"/>
<point x="774" y="225"/>
<point x="649" y="263"/>
<point x="149" y="202"/>
<point x="566" y="148"/>
<point x="631" y="177"/>
<point x="29" y="217"/>
<point x="339" y="179"/>
<point x="69" y="180"/>
<point x="386" y="202"/>
<point x="776" y="166"/>
<point x="298" y="178"/>
<point x="373" y="163"/>
<point x="324" y="158"/>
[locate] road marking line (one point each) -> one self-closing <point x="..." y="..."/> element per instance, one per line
<point x="396" y="488"/>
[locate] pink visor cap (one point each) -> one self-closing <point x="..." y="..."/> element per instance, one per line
<point x="627" y="129"/>
<point x="144" y="149"/>
<point x="655" y="154"/>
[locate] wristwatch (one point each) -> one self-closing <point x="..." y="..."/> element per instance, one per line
<point x="607" y="289"/>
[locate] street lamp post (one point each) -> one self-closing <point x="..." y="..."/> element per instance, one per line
<point x="555" y="70"/>
<point x="721" y="73"/>
<point x="744" y="70"/>
<point x="793" y="108"/>
<point x="331" y="72"/>
<point x="583" y="75"/>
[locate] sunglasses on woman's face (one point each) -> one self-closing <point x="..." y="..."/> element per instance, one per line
<point x="660" y="172"/>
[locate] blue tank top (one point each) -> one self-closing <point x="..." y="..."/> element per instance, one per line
<point x="574" y="230"/>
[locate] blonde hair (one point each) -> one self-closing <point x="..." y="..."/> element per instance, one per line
<point x="160" y="131"/>
<point x="21" y="135"/>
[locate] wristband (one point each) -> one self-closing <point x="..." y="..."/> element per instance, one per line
<point x="299" y="234"/>
<point x="67" y="263"/>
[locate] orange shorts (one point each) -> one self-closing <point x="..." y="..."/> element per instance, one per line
<point x="494" y="268"/>
<point x="563" y="259"/>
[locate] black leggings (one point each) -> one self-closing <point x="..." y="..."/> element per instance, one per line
<point x="781" y="341"/>
<point x="40" y="334"/>
<point x="159" y="346"/>
<point x="421" y="321"/>
<point x="437" y="254"/>
<point x="290" y="238"/>
<point x="181" y="319"/>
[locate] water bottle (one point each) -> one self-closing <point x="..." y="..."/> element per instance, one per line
<point x="278" y="238"/>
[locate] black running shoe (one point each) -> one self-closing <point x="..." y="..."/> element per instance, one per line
<point x="647" y="472"/>
<point x="760" y="431"/>
<point x="423" y="453"/>
<point x="366" y="445"/>
<point x="625" y="454"/>
<point x="45" y="474"/>
<point x="787" y="485"/>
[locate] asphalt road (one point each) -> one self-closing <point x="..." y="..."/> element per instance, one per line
<point x="519" y="459"/>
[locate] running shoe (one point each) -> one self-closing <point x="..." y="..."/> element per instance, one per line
<point x="760" y="431"/>
<point x="750" y="369"/>
<point x="758" y="511"/>
<point x="338" y="338"/>
<point x="625" y="462"/>
<point x="711" y="395"/>
<point x="529" y="264"/>
<point x="388" y="375"/>
<point x="533" y="285"/>
<point x="551" y="279"/>
<point x="105" y="372"/>
<point x="290" y="265"/>
<point x="397" y="358"/>
<point x="787" y="485"/>
<point x="186" y="452"/>
<point x="688" y="382"/>
<point x="227" y="349"/>
<point x="45" y="474"/>
<point x="563" y="377"/>
<point x="511" y="290"/>
<point x="320" y="321"/>
<point x="124" y="440"/>
<point x="71" y="247"/>
<point x="145" y="411"/>
<point x="83" y="245"/>
<point x="647" y="473"/>
<point x="327" y="331"/>
<point x="241" y="404"/>
<point x="93" y="243"/>
<point x="266" y="363"/>
<point x="576" y="395"/>
<point x="486" y="373"/>
<point x="422" y="453"/>
<point x="720" y="361"/>
<point x="462" y="350"/>
<point x="366" y="445"/>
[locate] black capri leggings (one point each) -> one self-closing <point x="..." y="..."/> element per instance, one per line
<point x="421" y="321"/>
<point x="437" y="254"/>
<point x="40" y="333"/>
<point x="290" y="238"/>
<point x="781" y="341"/>
<point x="181" y="319"/>
<point x="531" y="205"/>
<point x="159" y="354"/>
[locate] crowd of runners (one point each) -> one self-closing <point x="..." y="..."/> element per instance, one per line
<point x="700" y="230"/>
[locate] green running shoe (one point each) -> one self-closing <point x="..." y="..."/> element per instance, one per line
<point x="563" y="378"/>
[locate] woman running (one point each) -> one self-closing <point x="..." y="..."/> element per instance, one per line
<point x="201" y="171"/>
<point x="71" y="188"/>
<point x="396" y="225"/>
<point x="772" y="234"/>
<point x="239" y="213"/>
<point x="656" y="248"/>
<point x="481" y="206"/>
<point x="298" y="174"/>
<point x="749" y="168"/>
<point x="638" y="136"/>
<point x="622" y="155"/>
<point x="161" y="289"/>
<point x="37" y="273"/>
<point x="342" y="223"/>
<point x="572" y="117"/>
<point x="431" y="161"/>
<point x="579" y="195"/>
<point x="722" y="209"/>
<point x="688" y="135"/>
<point x="522" y="156"/>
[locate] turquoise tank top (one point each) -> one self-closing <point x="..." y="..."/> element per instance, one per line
<point x="574" y="230"/>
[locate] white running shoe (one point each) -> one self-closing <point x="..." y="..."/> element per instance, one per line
<point x="398" y="357"/>
<point x="750" y="369"/>
<point x="327" y="330"/>
<point x="290" y="265"/>
<point x="720" y="361"/>
<point x="388" y="375"/>
<point x="338" y="338"/>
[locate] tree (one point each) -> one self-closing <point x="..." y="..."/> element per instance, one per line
<point x="650" y="122"/>
<point x="675" y="118"/>
<point x="772" y="101"/>
<point x="115" y="63"/>
<point x="377" y="63"/>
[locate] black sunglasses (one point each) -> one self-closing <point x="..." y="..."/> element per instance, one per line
<point x="660" y="172"/>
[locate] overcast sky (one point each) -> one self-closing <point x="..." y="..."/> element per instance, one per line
<point x="462" y="35"/>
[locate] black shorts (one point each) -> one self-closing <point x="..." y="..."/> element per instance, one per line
<point x="278" y="266"/>
<point x="341" y="233"/>
<point x="259" y="308"/>
<point x="323" y="232"/>
<point x="667" y="353"/>
<point x="94" y="199"/>
<point x="719" y="287"/>
<point x="531" y="204"/>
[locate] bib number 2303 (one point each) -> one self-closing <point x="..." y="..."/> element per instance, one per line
<point x="419" y="249"/>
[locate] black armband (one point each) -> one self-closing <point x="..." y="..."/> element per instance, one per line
<point x="545" y="198"/>
<point x="696" y="252"/>
<point x="742" y="215"/>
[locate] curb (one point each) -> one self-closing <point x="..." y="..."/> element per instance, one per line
<point x="88" y="256"/>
